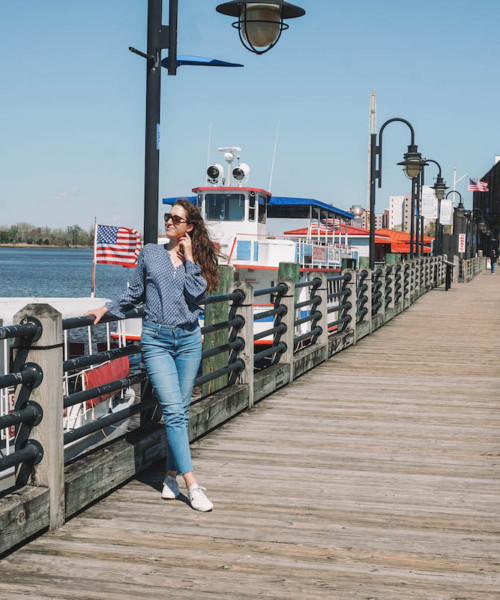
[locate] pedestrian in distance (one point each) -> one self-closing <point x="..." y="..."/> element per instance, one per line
<point x="493" y="259"/>
<point x="169" y="281"/>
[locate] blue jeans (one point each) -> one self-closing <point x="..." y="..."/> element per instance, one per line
<point x="172" y="357"/>
<point x="493" y="266"/>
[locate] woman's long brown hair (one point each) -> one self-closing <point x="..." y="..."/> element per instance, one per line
<point x="205" y="251"/>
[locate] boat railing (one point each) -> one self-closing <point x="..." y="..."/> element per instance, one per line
<point x="234" y="377"/>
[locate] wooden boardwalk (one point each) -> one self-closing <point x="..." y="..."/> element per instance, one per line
<point x="374" y="477"/>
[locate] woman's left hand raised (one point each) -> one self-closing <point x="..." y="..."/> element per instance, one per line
<point x="185" y="248"/>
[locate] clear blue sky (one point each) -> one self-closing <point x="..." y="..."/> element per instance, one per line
<point x="72" y="102"/>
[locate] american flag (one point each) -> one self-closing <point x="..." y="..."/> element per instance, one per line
<point x="117" y="246"/>
<point x="476" y="185"/>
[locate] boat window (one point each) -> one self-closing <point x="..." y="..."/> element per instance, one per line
<point x="262" y="209"/>
<point x="225" y="207"/>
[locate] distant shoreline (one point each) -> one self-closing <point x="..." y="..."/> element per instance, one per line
<point x="44" y="246"/>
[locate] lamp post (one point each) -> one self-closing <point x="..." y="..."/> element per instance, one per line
<point x="412" y="163"/>
<point x="480" y="227"/>
<point x="458" y="217"/>
<point x="475" y="225"/>
<point x="164" y="37"/>
<point x="439" y="188"/>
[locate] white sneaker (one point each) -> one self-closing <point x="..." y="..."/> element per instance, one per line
<point x="198" y="499"/>
<point x="170" y="488"/>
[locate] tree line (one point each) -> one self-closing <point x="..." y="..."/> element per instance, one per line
<point x="25" y="233"/>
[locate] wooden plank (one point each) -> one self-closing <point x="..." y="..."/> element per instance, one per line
<point x="23" y="513"/>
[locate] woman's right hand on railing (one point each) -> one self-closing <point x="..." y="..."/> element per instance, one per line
<point x="98" y="313"/>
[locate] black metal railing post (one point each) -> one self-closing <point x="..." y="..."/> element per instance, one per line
<point x="351" y="284"/>
<point x="288" y="301"/>
<point x="321" y="290"/>
<point x="245" y="310"/>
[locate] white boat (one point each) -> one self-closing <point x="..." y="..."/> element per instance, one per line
<point x="237" y="218"/>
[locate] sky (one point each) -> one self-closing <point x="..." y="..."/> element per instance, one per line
<point x="72" y="102"/>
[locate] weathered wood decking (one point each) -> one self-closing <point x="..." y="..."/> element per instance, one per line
<point x="376" y="476"/>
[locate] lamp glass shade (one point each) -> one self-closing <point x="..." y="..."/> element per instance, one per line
<point x="412" y="167"/>
<point x="260" y="23"/>
<point x="439" y="193"/>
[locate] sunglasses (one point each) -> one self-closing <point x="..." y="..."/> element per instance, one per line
<point x="176" y="220"/>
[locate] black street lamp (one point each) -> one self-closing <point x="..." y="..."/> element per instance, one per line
<point x="260" y="24"/>
<point x="439" y="188"/>
<point x="164" y="37"/>
<point x="412" y="163"/>
<point x="476" y="224"/>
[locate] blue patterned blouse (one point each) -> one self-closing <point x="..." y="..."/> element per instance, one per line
<point x="170" y="295"/>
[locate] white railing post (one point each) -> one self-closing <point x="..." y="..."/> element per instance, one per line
<point x="47" y="353"/>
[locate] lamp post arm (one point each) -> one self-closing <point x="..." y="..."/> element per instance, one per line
<point x="379" y="147"/>
<point x="455" y="192"/>
<point x="428" y="160"/>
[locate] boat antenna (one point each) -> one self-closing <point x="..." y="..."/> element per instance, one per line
<point x="209" y="144"/>
<point x="229" y="155"/>
<point x="274" y="156"/>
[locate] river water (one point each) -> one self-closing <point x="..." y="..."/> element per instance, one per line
<point x="57" y="272"/>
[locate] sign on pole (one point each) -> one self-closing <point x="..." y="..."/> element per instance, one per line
<point x="429" y="203"/>
<point x="446" y="215"/>
<point x="461" y="242"/>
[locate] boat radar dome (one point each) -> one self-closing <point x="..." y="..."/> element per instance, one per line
<point x="214" y="173"/>
<point x="241" y="173"/>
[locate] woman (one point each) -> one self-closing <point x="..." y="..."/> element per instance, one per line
<point x="169" y="280"/>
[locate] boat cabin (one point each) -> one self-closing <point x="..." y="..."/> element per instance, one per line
<point x="237" y="219"/>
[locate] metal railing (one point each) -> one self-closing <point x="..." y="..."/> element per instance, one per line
<point x="26" y="414"/>
<point x="362" y="296"/>
<point x="341" y="296"/>
<point x="377" y="296"/>
<point x="273" y="353"/>
<point x="313" y="316"/>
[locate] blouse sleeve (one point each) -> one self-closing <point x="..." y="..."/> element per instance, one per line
<point x="135" y="293"/>
<point x="196" y="284"/>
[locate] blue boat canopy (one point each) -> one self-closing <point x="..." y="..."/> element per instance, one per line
<point x="191" y="199"/>
<point x="283" y="207"/>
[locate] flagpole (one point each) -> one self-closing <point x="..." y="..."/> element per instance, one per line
<point x="92" y="291"/>
<point x="274" y="156"/>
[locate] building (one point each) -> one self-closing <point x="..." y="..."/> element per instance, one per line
<point x="365" y="220"/>
<point x="488" y="204"/>
<point x="378" y="221"/>
<point x="396" y="217"/>
<point x="385" y="218"/>
<point x="406" y="225"/>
